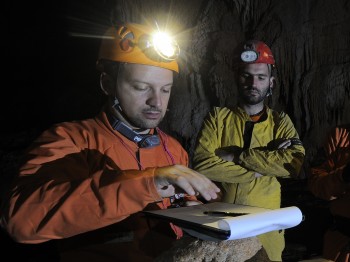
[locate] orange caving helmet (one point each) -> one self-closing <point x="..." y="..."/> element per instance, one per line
<point x="256" y="52"/>
<point x="135" y="43"/>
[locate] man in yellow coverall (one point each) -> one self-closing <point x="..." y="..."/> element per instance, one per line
<point x="85" y="182"/>
<point x="246" y="148"/>
<point x="331" y="181"/>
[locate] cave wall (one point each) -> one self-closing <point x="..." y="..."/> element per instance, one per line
<point x="52" y="49"/>
<point x="310" y="41"/>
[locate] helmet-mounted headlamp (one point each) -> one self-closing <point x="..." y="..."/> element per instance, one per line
<point x="159" y="46"/>
<point x="249" y="56"/>
<point x="134" y="43"/>
<point x="257" y="52"/>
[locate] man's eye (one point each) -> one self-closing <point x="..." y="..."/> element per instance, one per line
<point x="245" y="75"/>
<point x="166" y="90"/>
<point x="140" y="87"/>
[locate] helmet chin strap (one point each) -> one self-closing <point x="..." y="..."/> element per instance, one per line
<point x="142" y="140"/>
<point x="116" y="105"/>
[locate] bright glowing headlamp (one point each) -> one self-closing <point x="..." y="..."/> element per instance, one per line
<point x="135" y="43"/>
<point x="165" y="46"/>
<point x="159" y="46"/>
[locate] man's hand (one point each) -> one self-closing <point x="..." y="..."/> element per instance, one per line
<point x="283" y="143"/>
<point x="169" y="177"/>
<point x="256" y="174"/>
<point x="230" y="153"/>
<point x="224" y="154"/>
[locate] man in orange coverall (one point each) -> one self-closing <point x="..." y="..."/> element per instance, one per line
<point x="331" y="181"/>
<point x="84" y="183"/>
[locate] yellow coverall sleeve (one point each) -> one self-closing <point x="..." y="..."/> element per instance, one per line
<point x="276" y="162"/>
<point x="212" y="136"/>
<point x="224" y="128"/>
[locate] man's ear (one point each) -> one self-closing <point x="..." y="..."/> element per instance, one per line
<point x="107" y="84"/>
<point x="272" y="81"/>
<point x="271" y="85"/>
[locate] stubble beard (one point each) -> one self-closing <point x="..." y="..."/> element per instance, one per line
<point x="143" y="123"/>
<point x="253" y="100"/>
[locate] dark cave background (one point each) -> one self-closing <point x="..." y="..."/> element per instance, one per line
<point x="49" y="76"/>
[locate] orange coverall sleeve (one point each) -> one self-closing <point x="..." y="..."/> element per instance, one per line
<point x="326" y="181"/>
<point x="63" y="191"/>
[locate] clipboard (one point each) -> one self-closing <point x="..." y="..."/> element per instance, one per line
<point x="253" y="221"/>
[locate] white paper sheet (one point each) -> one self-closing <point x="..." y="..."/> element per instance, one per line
<point x="259" y="223"/>
<point x="256" y="221"/>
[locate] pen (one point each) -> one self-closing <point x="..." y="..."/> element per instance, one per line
<point x="224" y="213"/>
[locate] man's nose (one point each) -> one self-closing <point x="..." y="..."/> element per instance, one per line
<point x="252" y="81"/>
<point x="155" y="99"/>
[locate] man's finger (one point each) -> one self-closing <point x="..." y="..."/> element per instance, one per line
<point x="284" y="144"/>
<point x="167" y="191"/>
